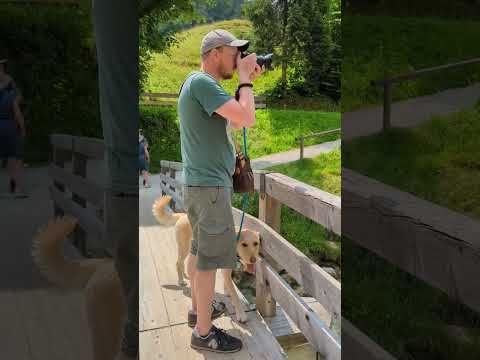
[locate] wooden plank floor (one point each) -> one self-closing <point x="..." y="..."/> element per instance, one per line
<point x="37" y="320"/>
<point x="164" y="333"/>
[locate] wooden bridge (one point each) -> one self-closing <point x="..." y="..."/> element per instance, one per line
<point x="279" y="313"/>
<point x="164" y="305"/>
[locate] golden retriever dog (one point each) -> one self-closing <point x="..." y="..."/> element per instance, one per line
<point x="104" y="299"/>
<point x="248" y="248"/>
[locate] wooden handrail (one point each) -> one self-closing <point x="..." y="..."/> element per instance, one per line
<point x="389" y="81"/>
<point x="417" y="73"/>
<point x="302" y="138"/>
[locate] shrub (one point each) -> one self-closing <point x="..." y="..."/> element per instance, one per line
<point x="53" y="63"/>
<point x="161" y="129"/>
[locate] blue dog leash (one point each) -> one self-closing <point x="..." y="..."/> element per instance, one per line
<point x="245" y="195"/>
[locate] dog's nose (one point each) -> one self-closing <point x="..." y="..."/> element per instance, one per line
<point x="253" y="260"/>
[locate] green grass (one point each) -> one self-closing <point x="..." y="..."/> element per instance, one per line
<point x="322" y="171"/>
<point x="276" y="130"/>
<point x="307" y="236"/>
<point x="437" y="161"/>
<point x="378" y="45"/>
<point x="401" y="313"/>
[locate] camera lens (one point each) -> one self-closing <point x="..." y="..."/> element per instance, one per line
<point x="261" y="59"/>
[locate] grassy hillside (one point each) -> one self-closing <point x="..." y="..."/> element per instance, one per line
<point x="377" y="45"/>
<point x="169" y="70"/>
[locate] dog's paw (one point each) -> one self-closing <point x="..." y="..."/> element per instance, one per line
<point x="242" y="317"/>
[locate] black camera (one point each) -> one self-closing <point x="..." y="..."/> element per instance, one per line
<point x="261" y="59"/>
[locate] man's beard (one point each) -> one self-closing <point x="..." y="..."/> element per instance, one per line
<point x="224" y="74"/>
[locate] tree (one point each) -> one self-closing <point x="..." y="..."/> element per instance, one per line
<point x="152" y="37"/>
<point x="305" y="31"/>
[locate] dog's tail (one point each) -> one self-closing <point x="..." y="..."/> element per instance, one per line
<point x="161" y="215"/>
<point x="47" y="253"/>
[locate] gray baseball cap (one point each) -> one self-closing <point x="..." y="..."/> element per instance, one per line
<point x="219" y="37"/>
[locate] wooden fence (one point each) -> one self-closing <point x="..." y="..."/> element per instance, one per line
<point x="301" y="139"/>
<point x="73" y="193"/>
<point x="433" y="243"/>
<point x="169" y="99"/>
<point x="388" y="82"/>
<point x="276" y="190"/>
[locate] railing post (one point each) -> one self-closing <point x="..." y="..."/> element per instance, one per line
<point x="59" y="158"/>
<point x="172" y="188"/>
<point x="79" y="167"/>
<point x="301" y="147"/>
<point x="163" y="171"/>
<point x="269" y="212"/>
<point x="387" y="103"/>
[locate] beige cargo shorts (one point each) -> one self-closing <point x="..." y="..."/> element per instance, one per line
<point x="209" y="211"/>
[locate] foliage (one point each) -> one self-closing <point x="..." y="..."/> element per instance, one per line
<point x="53" y="63"/>
<point x="153" y="37"/>
<point x="453" y="9"/>
<point x="160" y="127"/>
<point x="302" y="34"/>
<point x="218" y="9"/>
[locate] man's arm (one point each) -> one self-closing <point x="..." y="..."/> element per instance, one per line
<point x="241" y="113"/>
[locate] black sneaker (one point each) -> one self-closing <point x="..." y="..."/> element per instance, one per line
<point x="217" y="341"/>
<point x="218" y="310"/>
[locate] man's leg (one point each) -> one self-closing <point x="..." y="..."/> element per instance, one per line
<point x="205" y="289"/>
<point x="116" y="38"/>
<point x="192" y="271"/>
<point x="12" y="173"/>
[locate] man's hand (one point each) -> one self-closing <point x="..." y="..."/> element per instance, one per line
<point x="246" y="66"/>
<point x="257" y="72"/>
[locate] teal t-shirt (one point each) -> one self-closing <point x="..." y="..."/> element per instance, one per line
<point x="208" y="153"/>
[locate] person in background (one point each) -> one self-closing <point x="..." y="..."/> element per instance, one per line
<point x="12" y="127"/>
<point x="143" y="158"/>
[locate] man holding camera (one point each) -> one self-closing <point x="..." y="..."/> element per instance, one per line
<point x="206" y="112"/>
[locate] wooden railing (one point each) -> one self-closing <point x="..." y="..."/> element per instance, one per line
<point x="388" y="82"/>
<point x="169" y="99"/>
<point x="301" y="139"/>
<point x="323" y="208"/>
<point x="73" y="193"/>
<point x="431" y="242"/>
